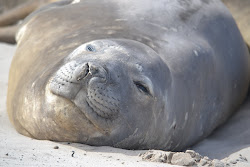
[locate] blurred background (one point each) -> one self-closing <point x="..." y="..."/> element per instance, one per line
<point x="8" y="4"/>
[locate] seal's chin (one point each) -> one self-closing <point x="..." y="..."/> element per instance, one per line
<point x="96" y="117"/>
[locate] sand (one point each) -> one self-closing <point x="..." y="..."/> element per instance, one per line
<point x="230" y="143"/>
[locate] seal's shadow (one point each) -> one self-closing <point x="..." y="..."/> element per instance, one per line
<point x="229" y="138"/>
<point x="101" y="149"/>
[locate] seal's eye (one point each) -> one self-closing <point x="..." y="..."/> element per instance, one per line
<point x="90" y="48"/>
<point x="141" y="87"/>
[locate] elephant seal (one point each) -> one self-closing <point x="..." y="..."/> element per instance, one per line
<point x="130" y="74"/>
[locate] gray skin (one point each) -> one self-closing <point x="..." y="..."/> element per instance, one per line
<point x="131" y="74"/>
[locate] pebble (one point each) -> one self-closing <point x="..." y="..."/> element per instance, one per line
<point x="182" y="159"/>
<point x="56" y="147"/>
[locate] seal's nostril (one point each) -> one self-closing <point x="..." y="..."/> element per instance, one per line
<point x="84" y="72"/>
<point x="98" y="72"/>
<point x="87" y="69"/>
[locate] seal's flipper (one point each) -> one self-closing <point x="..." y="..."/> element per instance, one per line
<point x="7" y="34"/>
<point x="18" y="13"/>
<point x="10" y="18"/>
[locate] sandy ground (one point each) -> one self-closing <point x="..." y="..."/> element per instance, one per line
<point x="229" y="143"/>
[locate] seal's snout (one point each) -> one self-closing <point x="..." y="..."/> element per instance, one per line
<point x="71" y="77"/>
<point x="102" y="101"/>
<point x="80" y="73"/>
<point x="96" y="71"/>
<point x="88" y="69"/>
<point x="68" y="80"/>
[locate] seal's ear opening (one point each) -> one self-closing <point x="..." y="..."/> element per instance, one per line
<point x="7" y="34"/>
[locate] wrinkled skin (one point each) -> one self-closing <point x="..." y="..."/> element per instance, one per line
<point x="135" y="75"/>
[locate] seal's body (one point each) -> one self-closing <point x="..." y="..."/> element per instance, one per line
<point x="131" y="74"/>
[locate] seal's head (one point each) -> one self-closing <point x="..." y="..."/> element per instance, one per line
<point x="119" y="89"/>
